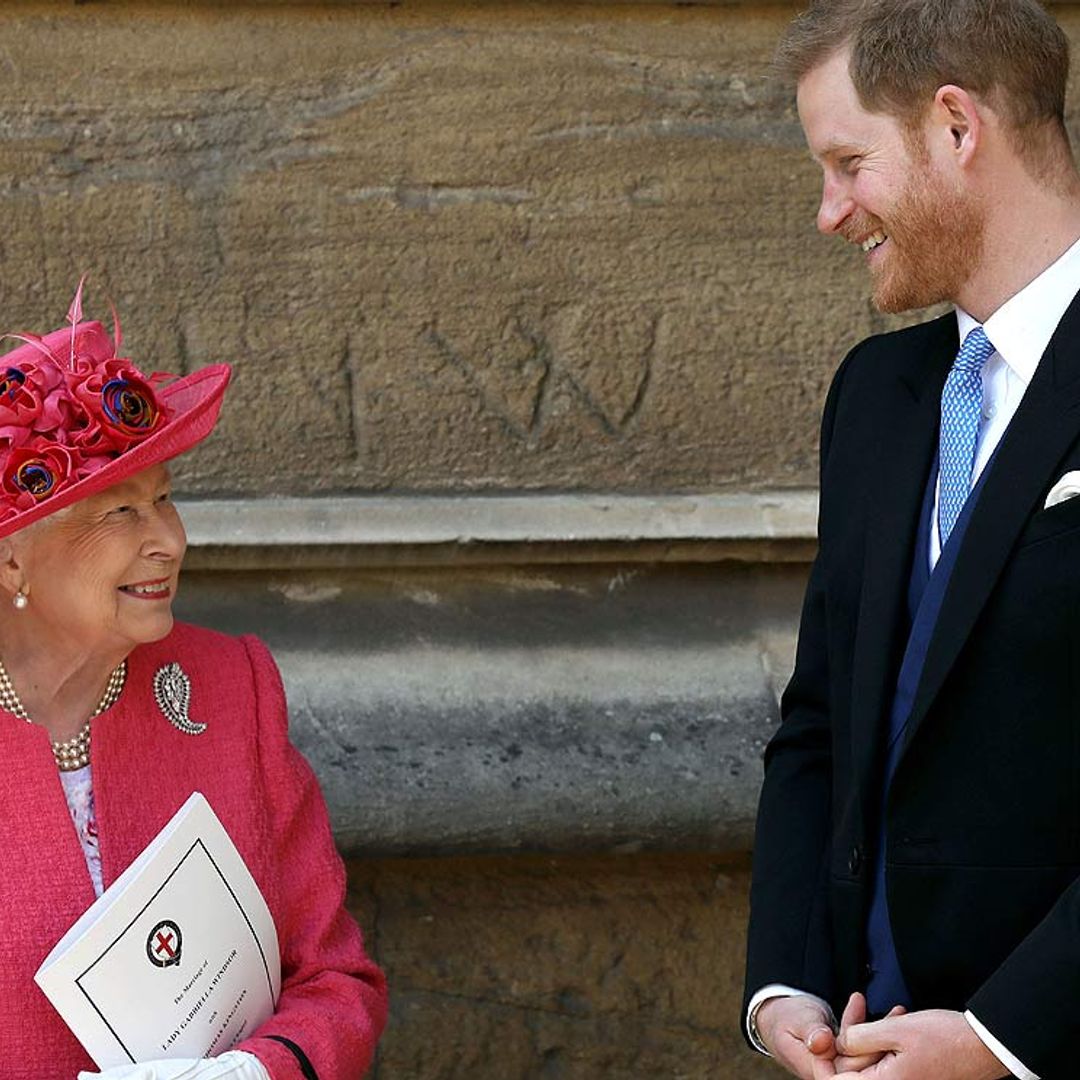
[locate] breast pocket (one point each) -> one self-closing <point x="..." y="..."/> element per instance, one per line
<point x="1047" y="524"/>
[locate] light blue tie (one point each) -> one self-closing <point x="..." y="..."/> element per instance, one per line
<point x="961" y="411"/>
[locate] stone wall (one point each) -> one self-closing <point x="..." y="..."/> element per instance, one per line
<point x="602" y="968"/>
<point x="457" y="248"/>
<point x="447" y="246"/>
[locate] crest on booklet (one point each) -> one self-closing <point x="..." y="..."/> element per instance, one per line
<point x="164" y="944"/>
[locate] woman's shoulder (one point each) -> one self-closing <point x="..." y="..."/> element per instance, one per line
<point x="209" y="652"/>
<point x="192" y="639"/>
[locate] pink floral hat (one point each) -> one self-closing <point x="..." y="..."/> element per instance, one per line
<point x="76" y="418"/>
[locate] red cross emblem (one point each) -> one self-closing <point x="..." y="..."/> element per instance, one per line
<point x="164" y="944"/>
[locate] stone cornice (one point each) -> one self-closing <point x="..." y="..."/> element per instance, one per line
<point x="356" y="530"/>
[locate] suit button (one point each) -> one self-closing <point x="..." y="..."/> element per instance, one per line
<point x="855" y="860"/>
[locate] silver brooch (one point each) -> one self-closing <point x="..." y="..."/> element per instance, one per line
<point x="172" y="689"/>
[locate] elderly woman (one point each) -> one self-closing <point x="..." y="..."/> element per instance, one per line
<point x="94" y="762"/>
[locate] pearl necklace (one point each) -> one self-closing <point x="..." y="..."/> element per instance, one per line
<point x="73" y="753"/>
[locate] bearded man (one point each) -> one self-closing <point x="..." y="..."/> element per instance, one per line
<point x="917" y="861"/>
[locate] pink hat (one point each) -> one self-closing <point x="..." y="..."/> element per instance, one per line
<point x="75" y="418"/>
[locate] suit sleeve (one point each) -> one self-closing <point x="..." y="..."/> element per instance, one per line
<point x="789" y="938"/>
<point x="333" y="1000"/>
<point x="1030" y="1003"/>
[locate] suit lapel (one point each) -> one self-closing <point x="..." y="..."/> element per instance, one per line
<point x="908" y="426"/>
<point x="1045" y="425"/>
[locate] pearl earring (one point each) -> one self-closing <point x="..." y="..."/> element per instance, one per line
<point x="20" y="600"/>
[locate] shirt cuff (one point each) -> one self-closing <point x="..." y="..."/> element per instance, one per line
<point x="775" y="990"/>
<point x="1013" y="1064"/>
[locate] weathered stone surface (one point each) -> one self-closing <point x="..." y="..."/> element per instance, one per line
<point x="524" y="521"/>
<point x="569" y="968"/>
<point x="589" y="708"/>
<point x="339" y="532"/>
<point x="447" y="246"/>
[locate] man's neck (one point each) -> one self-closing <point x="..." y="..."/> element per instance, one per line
<point x="1022" y="239"/>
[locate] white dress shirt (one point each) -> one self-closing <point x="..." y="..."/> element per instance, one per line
<point x="1020" y="331"/>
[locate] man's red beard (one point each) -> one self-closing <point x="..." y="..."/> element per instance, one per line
<point x="935" y="239"/>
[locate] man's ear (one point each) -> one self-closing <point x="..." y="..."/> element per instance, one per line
<point x="957" y="123"/>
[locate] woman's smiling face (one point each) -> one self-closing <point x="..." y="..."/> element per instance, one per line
<point x="101" y="574"/>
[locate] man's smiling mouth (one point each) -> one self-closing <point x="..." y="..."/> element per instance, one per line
<point x="873" y="240"/>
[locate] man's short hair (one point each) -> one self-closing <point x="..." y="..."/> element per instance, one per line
<point x="1009" y="53"/>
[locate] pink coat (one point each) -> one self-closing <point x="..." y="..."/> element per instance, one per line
<point x="333" y="1000"/>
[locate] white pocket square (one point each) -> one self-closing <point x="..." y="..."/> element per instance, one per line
<point x="1068" y="487"/>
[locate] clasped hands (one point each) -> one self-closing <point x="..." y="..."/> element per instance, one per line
<point x="902" y="1046"/>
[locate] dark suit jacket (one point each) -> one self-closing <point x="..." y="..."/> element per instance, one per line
<point x="983" y="815"/>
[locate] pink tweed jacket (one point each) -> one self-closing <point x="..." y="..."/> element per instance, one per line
<point x="333" y="999"/>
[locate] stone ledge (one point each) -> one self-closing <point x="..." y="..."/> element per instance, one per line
<point x="290" y="532"/>
<point x="554" y="709"/>
<point x="448" y="751"/>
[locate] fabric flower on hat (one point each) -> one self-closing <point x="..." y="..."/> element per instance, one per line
<point x="38" y="470"/>
<point x="120" y="407"/>
<point x="33" y="398"/>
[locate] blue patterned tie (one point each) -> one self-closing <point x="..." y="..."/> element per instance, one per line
<point x="961" y="411"/>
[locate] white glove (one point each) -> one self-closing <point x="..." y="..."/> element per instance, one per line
<point x="235" y="1065"/>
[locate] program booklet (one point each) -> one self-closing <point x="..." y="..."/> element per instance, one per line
<point x="177" y="958"/>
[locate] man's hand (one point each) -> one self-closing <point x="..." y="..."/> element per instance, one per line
<point x="797" y="1032"/>
<point x="933" y="1043"/>
<point x="855" y="1013"/>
